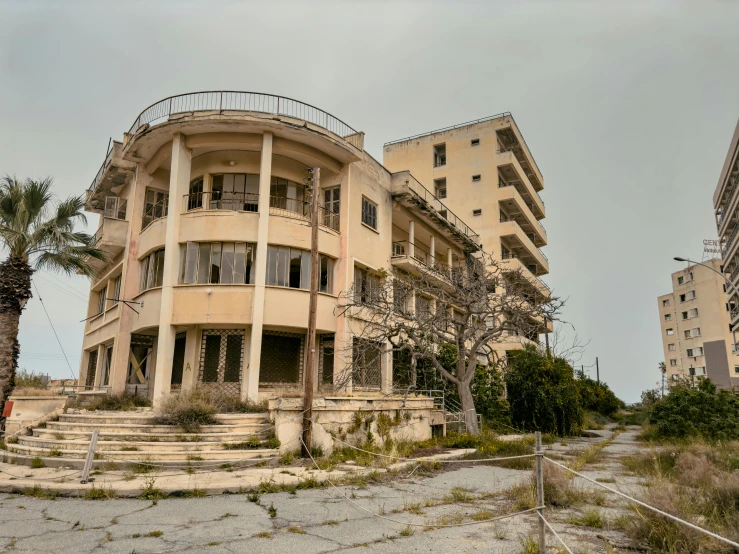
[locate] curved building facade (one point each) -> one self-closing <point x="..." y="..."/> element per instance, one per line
<point x="204" y="210"/>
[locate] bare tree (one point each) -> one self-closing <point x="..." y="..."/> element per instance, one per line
<point x="472" y="307"/>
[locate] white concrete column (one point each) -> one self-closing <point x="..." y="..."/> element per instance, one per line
<point x="432" y="248"/>
<point x="386" y="368"/>
<point x="449" y="257"/>
<point x="344" y="279"/>
<point x="130" y="284"/>
<point x="179" y="185"/>
<point x="191" y="365"/>
<point x="255" y="344"/>
<point x="411" y="238"/>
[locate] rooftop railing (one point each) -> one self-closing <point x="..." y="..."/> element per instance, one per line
<point x="228" y="100"/>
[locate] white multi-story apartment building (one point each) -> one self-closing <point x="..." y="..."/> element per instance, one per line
<point x="694" y="320"/>
<point x="205" y="219"/>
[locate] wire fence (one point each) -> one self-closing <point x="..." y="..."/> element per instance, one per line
<point x="538" y="453"/>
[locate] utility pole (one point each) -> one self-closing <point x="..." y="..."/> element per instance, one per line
<point x="597" y="370"/>
<point x="310" y="352"/>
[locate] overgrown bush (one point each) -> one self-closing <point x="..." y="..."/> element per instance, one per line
<point x="542" y="393"/>
<point x="597" y="397"/>
<point x="28" y="379"/>
<point x="189" y="410"/>
<point x="235" y="405"/>
<point x="703" y="412"/>
<point x="695" y="482"/>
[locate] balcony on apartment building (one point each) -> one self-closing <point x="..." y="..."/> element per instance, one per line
<point x="416" y="257"/>
<point x="727" y="213"/>
<point x="512" y="265"/>
<point x="110" y="178"/>
<point x="112" y="234"/>
<point x="511" y="174"/>
<point x="412" y="195"/>
<point x="513" y="208"/>
<point x="516" y="243"/>
<point x="511" y="141"/>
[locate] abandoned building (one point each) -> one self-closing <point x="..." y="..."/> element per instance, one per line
<point x="205" y="219"/>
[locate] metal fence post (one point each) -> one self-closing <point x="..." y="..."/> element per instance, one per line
<point x="90" y="457"/>
<point x="540" y="493"/>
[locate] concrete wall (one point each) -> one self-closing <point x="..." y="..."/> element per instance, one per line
<point x="351" y="419"/>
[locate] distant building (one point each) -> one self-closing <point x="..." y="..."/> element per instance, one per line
<point x="694" y="321"/>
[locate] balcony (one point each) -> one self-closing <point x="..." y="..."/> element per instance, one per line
<point x="225" y="102"/>
<point x="299" y="209"/>
<point x="420" y="201"/>
<point x="514" y="208"/>
<point x="510" y="173"/>
<point x="728" y="213"/>
<point x="111" y="237"/>
<point x="230" y="201"/>
<point x="510" y="140"/>
<point x="417" y="260"/>
<point x="521" y="246"/>
<point x="110" y="178"/>
<point x="511" y="265"/>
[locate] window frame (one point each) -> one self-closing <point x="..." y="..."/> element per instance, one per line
<point x="190" y="268"/>
<point x="369" y="213"/>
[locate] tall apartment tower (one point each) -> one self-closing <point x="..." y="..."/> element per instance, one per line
<point x="485" y="173"/>
<point x="694" y="320"/>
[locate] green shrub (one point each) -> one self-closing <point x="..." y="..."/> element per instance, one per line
<point x="597" y="397"/>
<point x="542" y="393"/>
<point x="189" y="410"/>
<point x="235" y="405"/>
<point x="703" y="412"/>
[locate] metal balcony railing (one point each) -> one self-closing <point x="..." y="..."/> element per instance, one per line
<point x="508" y="255"/>
<point x="438" y="206"/>
<point x="402" y="249"/>
<point x="217" y="200"/>
<point x="729" y="242"/>
<point x="502" y="184"/>
<point x="154" y="212"/>
<point x="228" y="101"/>
<point x="292" y="207"/>
<point x="106" y="161"/>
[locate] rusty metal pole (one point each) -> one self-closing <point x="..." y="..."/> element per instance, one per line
<point x="310" y="351"/>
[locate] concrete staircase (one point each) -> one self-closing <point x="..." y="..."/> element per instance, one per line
<point x="130" y="438"/>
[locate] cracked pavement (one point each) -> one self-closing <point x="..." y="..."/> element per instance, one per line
<point x="312" y="520"/>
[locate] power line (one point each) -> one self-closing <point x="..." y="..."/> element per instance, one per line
<point x="65" y="284"/>
<point x="75" y="295"/>
<point x="53" y="329"/>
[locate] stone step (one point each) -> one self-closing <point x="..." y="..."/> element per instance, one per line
<point x="122" y="435"/>
<point x="173" y="430"/>
<point x="115" y="418"/>
<point x="113" y="446"/>
<point x="143" y="456"/>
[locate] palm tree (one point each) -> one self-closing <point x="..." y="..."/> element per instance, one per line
<point x="36" y="234"/>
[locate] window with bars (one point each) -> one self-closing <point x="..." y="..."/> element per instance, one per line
<point x="326" y="361"/>
<point x="107" y="364"/>
<point x="281" y="360"/>
<point x="221" y="360"/>
<point x="401" y="294"/>
<point x="291" y="267"/>
<point x="92" y="363"/>
<point x="366" y="364"/>
<point x="369" y="212"/>
<point x="224" y="263"/>
<point x="152" y="270"/>
<point x="117" y="289"/>
<point x="366" y="286"/>
<point x="178" y="360"/>
<point x="102" y="299"/>
<point x="423" y="306"/>
<point x="155" y="206"/>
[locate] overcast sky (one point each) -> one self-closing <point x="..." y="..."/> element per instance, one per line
<point x="628" y="107"/>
